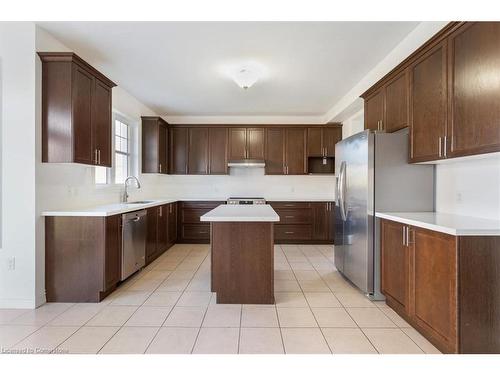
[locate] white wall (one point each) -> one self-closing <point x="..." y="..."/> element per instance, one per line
<point x="248" y="182"/>
<point x="470" y="186"/>
<point x="354" y="124"/>
<point x="17" y="64"/>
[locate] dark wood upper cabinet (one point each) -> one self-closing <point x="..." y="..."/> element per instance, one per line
<point x="275" y="151"/>
<point x="76" y="111"/>
<point x="474" y="89"/>
<point x="428" y="105"/>
<point x="395" y="263"/>
<point x="178" y="150"/>
<point x="374" y="110"/>
<point x="198" y="151"/>
<point x="396" y="103"/>
<point x="331" y="135"/>
<point x="246" y="143"/>
<point x="446" y="92"/>
<point x="255" y="143"/>
<point x="315" y="142"/>
<point x="434" y="288"/>
<point x="217" y="148"/>
<point x="295" y="151"/>
<point x="321" y="141"/>
<point x="237" y="143"/>
<point x="154" y="145"/>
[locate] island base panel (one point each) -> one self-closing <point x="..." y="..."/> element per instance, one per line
<point x="243" y="262"/>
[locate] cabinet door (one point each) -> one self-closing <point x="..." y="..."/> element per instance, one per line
<point x="295" y="149"/>
<point x="101" y="122"/>
<point x="162" y="225"/>
<point x="374" y="110"/>
<point x="330" y="137"/>
<point x="395" y="263"/>
<point x="152" y="233"/>
<point x="112" y="259"/>
<point x="237" y="143"/>
<point x="428" y="105"/>
<point x="162" y="148"/>
<point x="435" y="285"/>
<point x="321" y="221"/>
<point x="275" y="151"/>
<point x="198" y="151"/>
<point x="474" y="124"/>
<point x="83" y="87"/>
<point x="178" y="150"/>
<point x="150" y="146"/>
<point x="396" y="103"/>
<point x="315" y="142"/>
<point x="255" y="143"/>
<point x="172" y="223"/>
<point x="217" y="139"/>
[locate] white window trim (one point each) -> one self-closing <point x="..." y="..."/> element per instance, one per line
<point x="133" y="137"/>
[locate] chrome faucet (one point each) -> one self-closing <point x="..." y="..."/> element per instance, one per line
<point x="125" y="194"/>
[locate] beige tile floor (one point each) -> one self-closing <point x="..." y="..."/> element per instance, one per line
<point x="168" y="308"/>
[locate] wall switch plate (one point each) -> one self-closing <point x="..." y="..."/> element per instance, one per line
<point x="11" y="263"/>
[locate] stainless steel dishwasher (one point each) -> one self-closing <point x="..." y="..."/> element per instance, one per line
<point x="133" y="242"/>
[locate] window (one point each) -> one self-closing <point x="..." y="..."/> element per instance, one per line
<point x="122" y="163"/>
<point x="122" y="153"/>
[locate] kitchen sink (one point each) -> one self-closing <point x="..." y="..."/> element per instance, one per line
<point x="140" y="202"/>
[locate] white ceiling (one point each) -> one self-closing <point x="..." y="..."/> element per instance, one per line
<point x="177" y="68"/>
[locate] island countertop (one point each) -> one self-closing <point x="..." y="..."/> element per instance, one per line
<point x="242" y="212"/>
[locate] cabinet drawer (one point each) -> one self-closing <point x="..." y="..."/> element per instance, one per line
<point x="192" y="215"/>
<point x="287" y="205"/>
<point x="198" y="204"/>
<point x="292" y="232"/>
<point x="196" y="231"/>
<point x="294" y="216"/>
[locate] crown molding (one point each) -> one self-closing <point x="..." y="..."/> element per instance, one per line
<point x="320" y="119"/>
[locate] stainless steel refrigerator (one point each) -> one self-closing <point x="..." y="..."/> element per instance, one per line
<point x="373" y="174"/>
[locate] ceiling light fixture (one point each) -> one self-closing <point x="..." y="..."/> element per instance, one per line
<point x="245" y="78"/>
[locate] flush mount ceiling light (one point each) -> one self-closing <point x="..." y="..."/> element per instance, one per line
<point x="245" y="78"/>
<point x="244" y="73"/>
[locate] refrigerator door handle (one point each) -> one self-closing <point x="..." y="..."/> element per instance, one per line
<point x="342" y="188"/>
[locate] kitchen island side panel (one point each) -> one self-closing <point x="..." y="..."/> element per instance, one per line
<point x="243" y="262"/>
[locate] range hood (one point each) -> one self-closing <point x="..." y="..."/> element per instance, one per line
<point x="247" y="163"/>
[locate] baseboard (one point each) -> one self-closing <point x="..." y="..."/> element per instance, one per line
<point x="6" y="303"/>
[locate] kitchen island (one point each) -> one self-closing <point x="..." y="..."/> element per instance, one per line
<point x="242" y="251"/>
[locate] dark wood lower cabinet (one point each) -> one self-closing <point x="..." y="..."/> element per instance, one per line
<point x="82" y="257"/>
<point x="304" y="222"/>
<point x="190" y="228"/>
<point x="445" y="286"/>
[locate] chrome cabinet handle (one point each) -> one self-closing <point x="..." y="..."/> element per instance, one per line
<point x="439" y="150"/>
<point x="445" y="141"/>
<point x="161" y="211"/>
<point x="404" y="235"/>
<point x="95" y="156"/>
<point x="160" y="167"/>
<point x="99" y="156"/>
<point x="289" y="217"/>
<point x="289" y="232"/>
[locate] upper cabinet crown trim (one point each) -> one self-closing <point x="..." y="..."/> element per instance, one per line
<point x="73" y="57"/>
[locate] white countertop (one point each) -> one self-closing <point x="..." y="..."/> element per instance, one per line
<point x="109" y="209"/>
<point x="257" y="213"/>
<point x="120" y="208"/>
<point x="455" y="225"/>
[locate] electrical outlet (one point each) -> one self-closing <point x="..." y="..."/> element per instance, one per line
<point x="11" y="263"/>
<point x="459" y="197"/>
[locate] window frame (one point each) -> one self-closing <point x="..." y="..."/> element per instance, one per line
<point x="132" y="135"/>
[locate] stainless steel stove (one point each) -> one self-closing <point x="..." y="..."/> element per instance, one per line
<point x="245" y="200"/>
